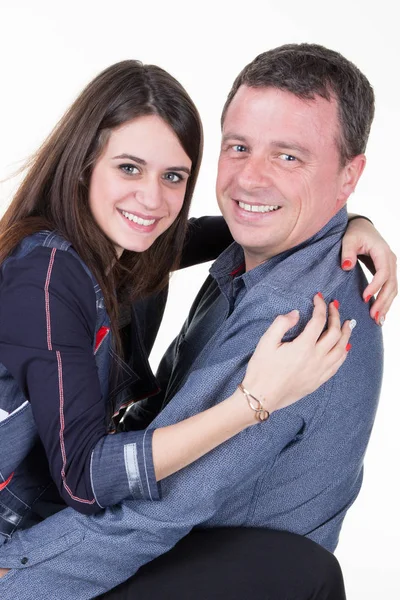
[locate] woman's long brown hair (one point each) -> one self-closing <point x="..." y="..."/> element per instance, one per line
<point x="54" y="193"/>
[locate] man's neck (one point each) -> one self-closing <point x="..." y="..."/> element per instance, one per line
<point x="252" y="261"/>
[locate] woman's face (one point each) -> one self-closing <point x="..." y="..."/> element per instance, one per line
<point x="138" y="183"/>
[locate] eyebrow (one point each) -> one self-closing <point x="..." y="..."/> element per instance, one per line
<point x="288" y="145"/>
<point x="233" y="136"/>
<point x="140" y="161"/>
<point x="283" y="145"/>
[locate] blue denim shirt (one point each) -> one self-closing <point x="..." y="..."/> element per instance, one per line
<point x="43" y="285"/>
<point x="299" y="471"/>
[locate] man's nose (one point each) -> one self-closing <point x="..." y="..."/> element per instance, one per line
<point x="255" y="173"/>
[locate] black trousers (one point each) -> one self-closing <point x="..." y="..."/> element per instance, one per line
<point x="237" y="564"/>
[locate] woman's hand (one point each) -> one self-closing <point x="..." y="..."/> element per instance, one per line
<point x="3" y="572"/>
<point x="279" y="373"/>
<point x="361" y="238"/>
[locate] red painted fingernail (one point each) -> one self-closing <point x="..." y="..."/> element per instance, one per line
<point x="347" y="264"/>
<point x="376" y="317"/>
<point x="348" y="347"/>
<point x="336" y="303"/>
<point x="368" y="298"/>
<point x="320" y="295"/>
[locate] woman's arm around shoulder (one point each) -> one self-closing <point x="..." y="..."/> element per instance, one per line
<point x="363" y="240"/>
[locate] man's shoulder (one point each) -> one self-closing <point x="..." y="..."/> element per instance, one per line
<point x="294" y="286"/>
<point x="306" y="271"/>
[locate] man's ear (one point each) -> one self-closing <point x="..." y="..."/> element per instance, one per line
<point x="352" y="172"/>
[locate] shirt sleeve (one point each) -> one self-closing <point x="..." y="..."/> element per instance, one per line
<point x="47" y="327"/>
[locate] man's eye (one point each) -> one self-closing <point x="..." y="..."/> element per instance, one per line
<point x="287" y="157"/>
<point x="129" y="169"/>
<point x="173" y="177"/>
<point x="239" y="148"/>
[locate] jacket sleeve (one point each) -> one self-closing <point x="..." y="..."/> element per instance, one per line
<point x="47" y="328"/>
<point x="206" y="238"/>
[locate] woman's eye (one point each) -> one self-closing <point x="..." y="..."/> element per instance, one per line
<point x="287" y="157"/>
<point x="129" y="169"/>
<point x="173" y="177"/>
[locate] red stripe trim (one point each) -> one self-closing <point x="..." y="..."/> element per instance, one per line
<point x="238" y="270"/>
<point x="6" y="482"/>
<point x="101" y="334"/>
<point x="60" y="379"/>
<point x="62" y="427"/>
<point x="47" y="298"/>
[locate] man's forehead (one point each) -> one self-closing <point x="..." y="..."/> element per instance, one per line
<point x="257" y="111"/>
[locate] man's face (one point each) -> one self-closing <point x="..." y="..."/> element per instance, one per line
<point x="279" y="175"/>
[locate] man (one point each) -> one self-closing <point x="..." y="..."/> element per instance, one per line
<point x="294" y="131"/>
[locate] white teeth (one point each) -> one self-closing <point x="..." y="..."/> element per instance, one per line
<point x="257" y="207"/>
<point x="138" y="220"/>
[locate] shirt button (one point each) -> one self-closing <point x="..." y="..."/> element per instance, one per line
<point x="24" y="560"/>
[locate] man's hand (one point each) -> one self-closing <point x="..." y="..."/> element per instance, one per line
<point x="361" y="238"/>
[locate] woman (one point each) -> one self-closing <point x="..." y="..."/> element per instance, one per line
<point x="98" y="222"/>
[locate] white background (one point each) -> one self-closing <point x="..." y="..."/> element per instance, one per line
<point x="49" y="50"/>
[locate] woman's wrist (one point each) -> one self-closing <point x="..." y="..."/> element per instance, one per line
<point x="255" y="404"/>
<point x="245" y="414"/>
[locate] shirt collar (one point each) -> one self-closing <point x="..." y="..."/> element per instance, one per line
<point x="231" y="263"/>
